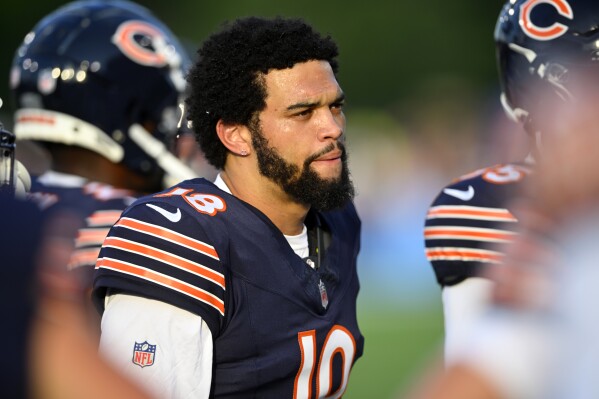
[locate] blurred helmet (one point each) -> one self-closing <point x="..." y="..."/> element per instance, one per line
<point x="107" y="76"/>
<point x="545" y="51"/>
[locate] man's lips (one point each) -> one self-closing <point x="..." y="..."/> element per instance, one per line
<point x="331" y="156"/>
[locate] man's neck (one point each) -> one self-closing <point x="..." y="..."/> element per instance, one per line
<point x="266" y="196"/>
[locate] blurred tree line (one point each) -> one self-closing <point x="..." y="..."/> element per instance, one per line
<point x="390" y="50"/>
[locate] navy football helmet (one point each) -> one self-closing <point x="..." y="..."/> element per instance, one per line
<point x="544" y="50"/>
<point x="107" y="76"/>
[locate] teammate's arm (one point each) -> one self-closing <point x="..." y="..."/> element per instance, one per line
<point x="463" y="304"/>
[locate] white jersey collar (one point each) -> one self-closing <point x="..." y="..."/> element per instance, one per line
<point x="220" y="183"/>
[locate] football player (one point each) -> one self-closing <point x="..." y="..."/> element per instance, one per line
<point x="48" y="352"/>
<point x="544" y="50"/>
<point x="245" y="287"/>
<point x="98" y="84"/>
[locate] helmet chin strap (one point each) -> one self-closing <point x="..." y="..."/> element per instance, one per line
<point x="538" y="141"/>
<point x="175" y="170"/>
<point x="517" y="115"/>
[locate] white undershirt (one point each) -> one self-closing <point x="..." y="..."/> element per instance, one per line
<point x="463" y="306"/>
<point x="183" y="360"/>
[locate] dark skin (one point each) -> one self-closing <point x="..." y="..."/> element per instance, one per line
<point x="92" y="166"/>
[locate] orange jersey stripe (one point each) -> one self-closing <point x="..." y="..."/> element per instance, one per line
<point x="103" y="218"/>
<point x="83" y="257"/>
<point x="470" y="212"/>
<point x="466" y="233"/>
<point x="464" y="254"/>
<point x="169" y="235"/>
<point x="167" y="258"/>
<point x="94" y="236"/>
<point x="165" y="281"/>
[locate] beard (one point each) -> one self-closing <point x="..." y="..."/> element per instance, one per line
<point x="304" y="186"/>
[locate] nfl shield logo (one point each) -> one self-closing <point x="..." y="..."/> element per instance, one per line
<point x="143" y="354"/>
<point x="324" y="298"/>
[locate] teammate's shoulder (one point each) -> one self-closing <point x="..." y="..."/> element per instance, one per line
<point x="484" y="186"/>
<point x="498" y="175"/>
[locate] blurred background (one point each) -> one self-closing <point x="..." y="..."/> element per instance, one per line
<point x="422" y="108"/>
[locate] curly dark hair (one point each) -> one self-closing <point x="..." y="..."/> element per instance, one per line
<point x="227" y="81"/>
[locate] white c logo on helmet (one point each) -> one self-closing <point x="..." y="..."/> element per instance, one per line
<point x="544" y="33"/>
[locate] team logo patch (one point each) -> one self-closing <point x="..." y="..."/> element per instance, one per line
<point x="144" y="354"/>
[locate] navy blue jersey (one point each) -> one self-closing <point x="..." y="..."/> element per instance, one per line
<point x="281" y="329"/>
<point x="471" y="221"/>
<point x="98" y="205"/>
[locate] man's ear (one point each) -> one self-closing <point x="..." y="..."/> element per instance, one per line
<point x="235" y="137"/>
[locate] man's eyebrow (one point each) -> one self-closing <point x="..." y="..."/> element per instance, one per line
<point x="303" y="105"/>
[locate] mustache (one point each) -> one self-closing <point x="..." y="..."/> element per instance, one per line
<point x="332" y="146"/>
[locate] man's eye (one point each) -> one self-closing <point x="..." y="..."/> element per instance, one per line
<point x="305" y="112"/>
<point x="337" y="106"/>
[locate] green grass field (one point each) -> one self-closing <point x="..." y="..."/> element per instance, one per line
<point x="400" y="344"/>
